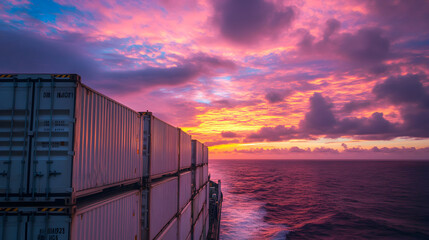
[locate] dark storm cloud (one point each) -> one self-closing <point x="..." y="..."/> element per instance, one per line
<point x="365" y="48"/>
<point x="25" y="52"/>
<point x="248" y="21"/>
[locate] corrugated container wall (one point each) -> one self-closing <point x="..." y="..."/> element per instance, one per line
<point x="207" y="225"/>
<point x="205" y="173"/>
<point x="164" y="147"/>
<point x="115" y="218"/>
<point x="198" y="202"/>
<point x="170" y="232"/>
<point x="198" y="177"/>
<point x="97" y="221"/>
<point x="198" y="227"/>
<point x="67" y="137"/>
<point x="205" y="154"/>
<point x="185" y="222"/>
<point x="185" y="189"/>
<point x="163" y="197"/>
<point x="185" y="150"/>
<point x="107" y="138"/>
<point x="197" y="153"/>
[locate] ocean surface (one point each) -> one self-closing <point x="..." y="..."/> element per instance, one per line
<point x="302" y="199"/>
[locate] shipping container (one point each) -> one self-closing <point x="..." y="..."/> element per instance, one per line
<point x="198" y="227"/>
<point x="199" y="201"/>
<point x="185" y="150"/>
<point x="205" y="173"/>
<point x="161" y="147"/>
<point x="61" y="139"/>
<point x="112" y="218"/>
<point x="160" y="205"/>
<point x="185" y="189"/>
<point x="198" y="177"/>
<point x="169" y="232"/>
<point x="205" y="154"/>
<point x="207" y="224"/>
<point x="197" y="153"/>
<point x="185" y="222"/>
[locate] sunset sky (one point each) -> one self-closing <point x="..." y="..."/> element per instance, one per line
<point x="250" y="78"/>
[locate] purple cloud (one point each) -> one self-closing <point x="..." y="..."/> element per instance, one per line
<point x="355" y="105"/>
<point x="365" y="48"/>
<point x="25" y="52"/>
<point x="320" y="117"/>
<point x="320" y="120"/>
<point x="275" y="96"/>
<point x="278" y="133"/>
<point x="403" y="89"/>
<point x="248" y="21"/>
<point x="229" y="134"/>
<point x="403" y="15"/>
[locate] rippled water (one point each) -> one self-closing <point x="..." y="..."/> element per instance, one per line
<point x="268" y="199"/>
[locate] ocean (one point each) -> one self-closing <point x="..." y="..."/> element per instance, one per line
<point x="312" y="199"/>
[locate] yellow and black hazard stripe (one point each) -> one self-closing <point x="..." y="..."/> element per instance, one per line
<point x="50" y="209"/>
<point x="61" y="75"/>
<point x="9" y="209"/>
<point x="6" y="75"/>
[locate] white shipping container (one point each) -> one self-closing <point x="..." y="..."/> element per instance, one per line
<point x="198" y="227"/>
<point x="114" y="218"/>
<point x="205" y="173"/>
<point x="207" y="225"/>
<point x="202" y="199"/>
<point x="207" y="198"/>
<point x="96" y="221"/>
<point x="198" y="173"/>
<point x="60" y="138"/>
<point x="170" y="232"/>
<point x="162" y="205"/>
<point x="198" y="202"/>
<point x="185" y="150"/>
<point x="205" y="154"/>
<point x="163" y="155"/>
<point x="197" y="153"/>
<point x="185" y="222"/>
<point x="185" y="188"/>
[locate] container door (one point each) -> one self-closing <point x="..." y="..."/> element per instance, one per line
<point x="48" y="227"/>
<point x="52" y="145"/>
<point x="15" y="114"/>
<point x="12" y="227"/>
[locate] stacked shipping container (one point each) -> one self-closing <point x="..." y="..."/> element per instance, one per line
<point x="75" y="164"/>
